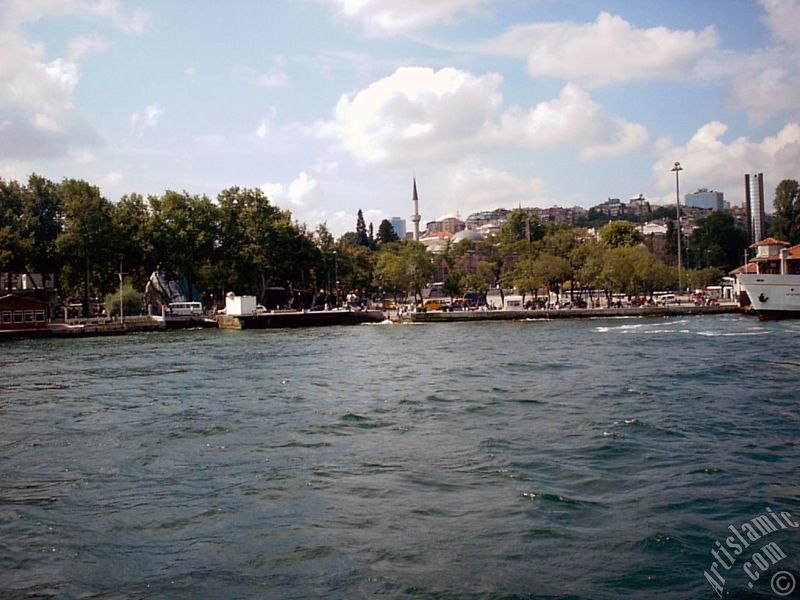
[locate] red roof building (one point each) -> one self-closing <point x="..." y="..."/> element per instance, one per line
<point x="18" y="313"/>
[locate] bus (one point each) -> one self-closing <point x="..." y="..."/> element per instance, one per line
<point x="186" y="309"/>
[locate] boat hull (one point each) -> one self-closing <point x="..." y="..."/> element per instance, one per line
<point x="773" y="297"/>
<point x="294" y="319"/>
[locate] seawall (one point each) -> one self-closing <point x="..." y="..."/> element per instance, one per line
<point x="574" y="313"/>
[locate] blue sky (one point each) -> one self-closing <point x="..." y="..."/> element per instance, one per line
<point x="334" y="105"/>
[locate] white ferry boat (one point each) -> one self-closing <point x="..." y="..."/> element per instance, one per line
<point x="772" y="280"/>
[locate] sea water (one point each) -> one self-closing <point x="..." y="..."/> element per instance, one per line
<point x="568" y="459"/>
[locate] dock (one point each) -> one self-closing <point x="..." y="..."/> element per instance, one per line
<point x="570" y="313"/>
<point x="105" y="327"/>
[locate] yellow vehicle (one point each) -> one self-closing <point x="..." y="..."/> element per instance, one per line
<point x="434" y="304"/>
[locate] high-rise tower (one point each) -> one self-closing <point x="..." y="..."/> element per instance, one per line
<point x="415" y="217"/>
<point x="754" y="206"/>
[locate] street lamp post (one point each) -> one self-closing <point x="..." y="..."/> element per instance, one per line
<point x="121" y="310"/>
<point x="677" y="168"/>
<point x="336" y="276"/>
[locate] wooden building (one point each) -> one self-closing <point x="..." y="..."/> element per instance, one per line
<point x="18" y="313"/>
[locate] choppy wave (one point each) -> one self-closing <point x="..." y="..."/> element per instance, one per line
<point x="580" y="459"/>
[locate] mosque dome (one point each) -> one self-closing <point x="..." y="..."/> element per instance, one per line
<point x="472" y="236"/>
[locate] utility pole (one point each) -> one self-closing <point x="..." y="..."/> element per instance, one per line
<point x="677" y="169"/>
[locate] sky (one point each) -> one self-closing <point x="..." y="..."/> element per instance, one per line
<point x="331" y="106"/>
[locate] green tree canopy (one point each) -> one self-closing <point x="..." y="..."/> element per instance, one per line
<point x="88" y="243"/>
<point x="786" y="226"/>
<point x="717" y="242"/>
<point x="184" y="234"/>
<point x="386" y="233"/>
<point x="15" y="247"/>
<point x="403" y="266"/>
<point x="620" y="233"/>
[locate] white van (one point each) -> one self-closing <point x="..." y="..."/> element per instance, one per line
<point x="186" y="309"/>
<point x="513" y="303"/>
<point x="667" y="299"/>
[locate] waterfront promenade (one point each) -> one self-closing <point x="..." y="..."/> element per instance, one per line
<point x="92" y="327"/>
<point x="570" y="313"/>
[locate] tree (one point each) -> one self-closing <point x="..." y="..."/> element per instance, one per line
<point x="621" y="233"/>
<point x="41" y="223"/>
<point x="717" y="242"/>
<point x="552" y="271"/>
<point x="361" y="229"/>
<point x="702" y="278"/>
<point x="386" y="233"/>
<point x="133" y="224"/>
<point x="524" y="276"/>
<point x="131" y="301"/>
<point x="404" y="267"/>
<point x="264" y="246"/>
<point x="185" y="232"/>
<point x="519" y="231"/>
<point x="355" y="265"/>
<point x="88" y="243"/>
<point x="483" y="277"/>
<point x="15" y="247"/>
<point x="786" y="226"/>
<point x="454" y="284"/>
<point x="590" y="258"/>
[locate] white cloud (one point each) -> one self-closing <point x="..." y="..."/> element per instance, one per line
<point x="39" y="118"/>
<point x="770" y="90"/>
<point x="272" y="190"/>
<point x="16" y="12"/>
<point x="472" y="186"/>
<point x="65" y="73"/>
<point x="47" y="123"/>
<point x="113" y="178"/>
<point x="765" y="82"/>
<point x="783" y="18"/>
<point x="135" y="24"/>
<point x="708" y="161"/>
<point x="418" y="114"/>
<point x="261" y="130"/>
<point x="149" y="118"/>
<point x="83" y="46"/>
<point x="571" y="119"/>
<point x="273" y="78"/>
<point x="395" y="17"/>
<point x="326" y="167"/>
<point x="609" y="50"/>
<point x="300" y="192"/>
<point x="301" y="188"/>
<point x="415" y="114"/>
<point x="190" y="73"/>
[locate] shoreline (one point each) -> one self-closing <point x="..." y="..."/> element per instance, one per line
<point x="145" y="325"/>
<point x="572" y="313"/>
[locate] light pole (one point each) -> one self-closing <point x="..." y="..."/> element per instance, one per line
<point x="677" y="168"/>
<point x="336" y="276"/>
<point x="121" y="311"/>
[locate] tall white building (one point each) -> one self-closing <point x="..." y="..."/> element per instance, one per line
<point x="754" y="206"/>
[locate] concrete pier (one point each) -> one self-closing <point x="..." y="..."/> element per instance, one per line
<point x="573" y="313"/>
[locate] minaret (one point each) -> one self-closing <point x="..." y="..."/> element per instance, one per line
<point x="415" y="217"/>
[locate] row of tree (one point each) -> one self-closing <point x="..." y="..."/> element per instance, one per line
<point x="240" y="241"/>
